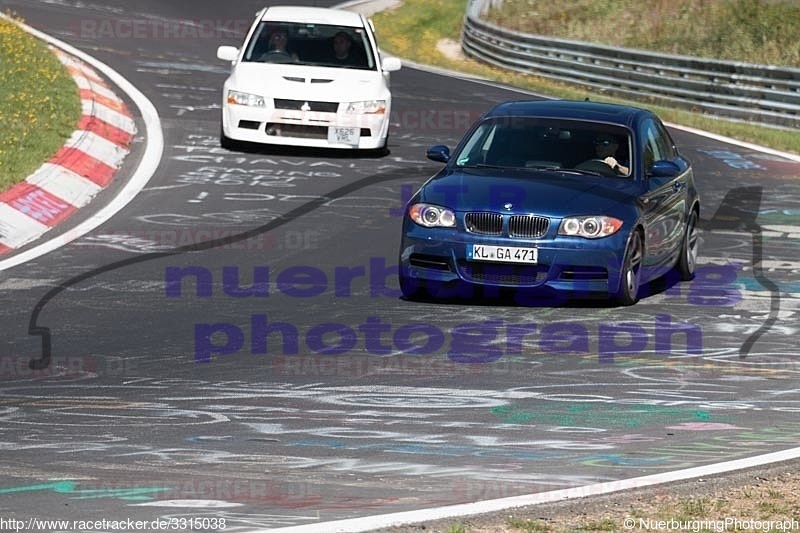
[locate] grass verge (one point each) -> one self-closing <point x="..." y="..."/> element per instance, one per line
<point x="414" y="31"/>
<point x="39" y="104"/>
<point x="753" y="31"/>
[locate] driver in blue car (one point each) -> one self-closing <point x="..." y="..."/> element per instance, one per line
<point x="606" y="147"/>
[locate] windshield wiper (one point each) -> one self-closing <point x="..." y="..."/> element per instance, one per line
<point x="582" y="172"/>
<point x="483" y="165"/>
<point x="512" y="167"/>
<point x="542" y="167"/>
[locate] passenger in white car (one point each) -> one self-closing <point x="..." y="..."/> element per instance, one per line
<point x="345" y="52"/>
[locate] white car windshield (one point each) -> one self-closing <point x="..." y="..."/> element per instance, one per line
<point x="310" y="44"/>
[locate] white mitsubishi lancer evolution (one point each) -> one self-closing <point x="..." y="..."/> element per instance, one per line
<point x="307" y="77"/>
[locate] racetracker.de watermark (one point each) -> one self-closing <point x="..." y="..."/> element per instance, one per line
<point x="357" y="366"/>
<point x="159" y="28"/>
<point x="18" y="367"/>
<point x="169" y="239"/>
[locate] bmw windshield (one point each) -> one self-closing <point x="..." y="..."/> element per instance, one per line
<point x="548" y="143"/>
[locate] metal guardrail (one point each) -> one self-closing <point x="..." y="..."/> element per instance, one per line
<point x="742" y="91"/>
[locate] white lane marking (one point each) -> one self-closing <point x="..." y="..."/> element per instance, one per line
<point x="151" y="157"/>
<point x="487" y="506"/>
<point x="190" y="504"/>
<point x="735" y="142"/>
<point x="25" y="284"/>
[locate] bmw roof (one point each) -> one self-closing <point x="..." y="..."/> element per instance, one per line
<point x="312" y="15"/>
<point x="571" y="109"/>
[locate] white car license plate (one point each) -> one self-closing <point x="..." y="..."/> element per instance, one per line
<point x="502" y="254"/>
<point x="344" y="135"/>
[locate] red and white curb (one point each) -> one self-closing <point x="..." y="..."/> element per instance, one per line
<point x="82" y="167"/>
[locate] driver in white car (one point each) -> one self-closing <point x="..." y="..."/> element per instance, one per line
<point x="278" y="48"/>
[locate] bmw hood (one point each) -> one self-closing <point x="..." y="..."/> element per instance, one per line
<point x="308" y="83"/>
<point x="548" y="193"/>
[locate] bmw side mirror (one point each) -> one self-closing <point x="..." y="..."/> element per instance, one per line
<point x="440" y="153"/>
<point x="227" y="53"/>
<point x="663" y="169"/>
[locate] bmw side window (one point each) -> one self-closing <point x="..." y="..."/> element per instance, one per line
<point x="652" y="147"/>
<point x="665" y="144"/>
<point x="475" y="149"/>
<point x="647" y="157"/>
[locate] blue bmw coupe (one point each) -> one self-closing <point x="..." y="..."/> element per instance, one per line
<point x="580" y="197"/>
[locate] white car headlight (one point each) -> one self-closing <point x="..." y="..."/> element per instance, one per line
<point x="239" y="98"/>
<point x="432" y="216"/>
<point x="589" y="227"/>
<point x="367" y="106"/>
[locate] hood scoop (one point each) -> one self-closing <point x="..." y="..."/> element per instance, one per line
<point x="304" y="80"/>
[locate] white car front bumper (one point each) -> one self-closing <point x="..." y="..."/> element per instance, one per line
<point x="324" y="125"/>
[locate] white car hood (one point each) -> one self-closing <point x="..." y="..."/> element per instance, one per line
<point x="298" y="82"/>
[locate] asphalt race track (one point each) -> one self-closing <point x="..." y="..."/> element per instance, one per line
<point x="357" y="402"/>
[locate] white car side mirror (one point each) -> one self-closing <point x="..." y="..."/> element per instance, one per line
<point x="391" y="64"/>
<point x="227" y="53"/>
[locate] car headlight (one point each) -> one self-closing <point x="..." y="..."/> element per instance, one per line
<point x="432" y="216"/>
<point x="367" y="107"/>
<point x="239" y="98"/>
<point x="589" y="227"/>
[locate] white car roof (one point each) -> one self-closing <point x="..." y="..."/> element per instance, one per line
<point x="314" y="15"/>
